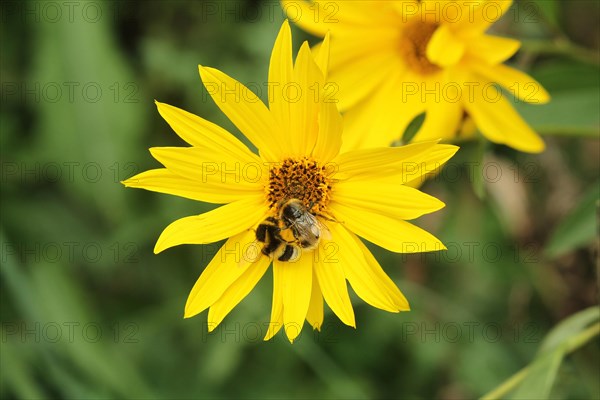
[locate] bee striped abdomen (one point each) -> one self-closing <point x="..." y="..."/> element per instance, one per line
<point x="289" y="252"/>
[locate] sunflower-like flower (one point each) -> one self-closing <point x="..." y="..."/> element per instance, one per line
<point x="298" y="204"/>
<point x="394" y="60"/>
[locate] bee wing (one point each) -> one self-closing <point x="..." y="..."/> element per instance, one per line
<point x="307" y="226"/>
<point x="325" y="232"/>
<point x="317" y="228"/>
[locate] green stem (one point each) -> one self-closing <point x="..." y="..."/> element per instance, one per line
<point x="567" y="347"/>
<point x="568" y="131"/>
<point x="562" y="47"/>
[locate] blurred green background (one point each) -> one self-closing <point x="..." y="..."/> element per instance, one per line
<point x="88" y="311"/>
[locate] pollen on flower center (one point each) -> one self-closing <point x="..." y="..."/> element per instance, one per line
<point x="303" y="179"/>
<point x="413" y="45"/>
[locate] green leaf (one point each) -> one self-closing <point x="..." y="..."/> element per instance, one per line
<point x="562" y="75"/>
<point x="569" y="327"/>
<point x="549" y="10"/>
<point x="536" y="380"/>
<point x="578" y="227"/>
<point x="17" y="367"/>
<point x="413" y="128"/>
<point x="569" y="113"/>
<point x="542" y="374"/>
<point x="541" y="377"/>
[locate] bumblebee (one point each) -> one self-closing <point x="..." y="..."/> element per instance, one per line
<point x="295" y="228"/>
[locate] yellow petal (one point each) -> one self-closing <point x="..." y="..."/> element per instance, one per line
<point x="215" y="225"/>
<point x="406" y="163"/>
<point x="329" y="139"/>
<point x="367" y="282"/>
<point x="383" y="281"/>
<point x="305" y="109"/>
<point x="300" y="13"/>
<point x="277" y="308"/>
<point x="204" y="165"/>
<point x="386" y="196"/>
<point x="393" y="234"/>
<point x="245" y="110"/>
<point x="518" y="83"/>
<point x="359" y="42"/>
<point x="376" y="121"/>
<point x="321" y="54"/>
<point x="362" y="59"/>
<point x="164" y="181"/>
<point x="280" y="74"/>
<point x="405" y="169"/>
<point x="330" y="273"/>
<point x="492" y="49"/>
<point x="356" y="77"/>
<point x="319" y="17"/>
<point x="230" y="262"/>
<point x="407" y="8"/>
<point x="201" y="133"/>
<point x="444" y="48"/>
<point x="314" y="316"/>
<point x="350" y="15"/>
<point x="442" y="120"/>
<point x="237" y="291"/>
<point x="499" y="122"/>
<point x="415" y="174"/>
<point x="297" y="287"/>
<point x="477" y="16"/>
<point x="430" y="163"/>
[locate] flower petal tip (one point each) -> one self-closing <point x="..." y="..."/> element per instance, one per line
<point x="159" y="247"/>
<point x="536" y="149"/>
<point x="204" y="69"/>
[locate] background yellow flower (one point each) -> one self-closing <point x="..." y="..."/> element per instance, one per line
<point x="394" y="60"/>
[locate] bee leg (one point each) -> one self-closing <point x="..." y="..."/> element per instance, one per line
<point x="330" y="219"/>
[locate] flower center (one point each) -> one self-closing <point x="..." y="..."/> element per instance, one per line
<point x="302" y="179"/>
<point x="413" y="46"/>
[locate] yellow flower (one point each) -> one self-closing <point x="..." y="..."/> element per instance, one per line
<point x="338" y="196"/>
<point x="394" y="60"/>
